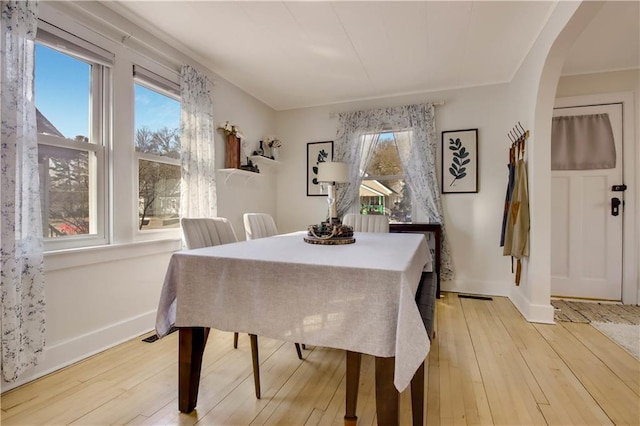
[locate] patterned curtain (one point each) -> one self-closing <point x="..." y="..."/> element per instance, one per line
<point x="417" y="144"/>
<point x="21" y="243"/>
<point x="349" y="149"/>
<point x="198" y="184"/>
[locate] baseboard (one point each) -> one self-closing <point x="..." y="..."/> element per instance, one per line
<point x="531" y="312"/>
<point x="78" y="348"/>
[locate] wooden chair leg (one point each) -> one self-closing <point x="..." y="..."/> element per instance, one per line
<point x="256" y="363"/>
<point x="235" y="340"/>
<point x="298" y="350"/>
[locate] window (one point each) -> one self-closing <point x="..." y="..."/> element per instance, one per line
<point x="157" y="145"/>
<point x="383" y="189"/>
<point x="71" y="89"/>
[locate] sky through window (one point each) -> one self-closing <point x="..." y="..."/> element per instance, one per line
<point x="62" y="94"/>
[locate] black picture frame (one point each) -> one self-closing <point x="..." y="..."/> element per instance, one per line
<point x="459" y="172"/>
<point x="317" y="152"/>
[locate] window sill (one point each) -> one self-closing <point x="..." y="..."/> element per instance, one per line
<point x="71" y="258"/>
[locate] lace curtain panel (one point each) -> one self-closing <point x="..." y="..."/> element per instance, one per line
<point x="198" y="185"/>
<point x="21" y="242"/>
<point x="417" y="142"/>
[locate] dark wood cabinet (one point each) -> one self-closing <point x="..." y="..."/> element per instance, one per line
<point x="422" y="228"/>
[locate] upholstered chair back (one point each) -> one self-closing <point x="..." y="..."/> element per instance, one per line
<point x="207" y="232"/>
<point x="367" y="222"/>
<point x="259" y="225"/>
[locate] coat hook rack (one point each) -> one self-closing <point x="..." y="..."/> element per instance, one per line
<point x="516" y="225"/>
<point x="518" y="136"/>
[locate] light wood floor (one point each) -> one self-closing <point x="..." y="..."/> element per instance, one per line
<point x="486" y="366"/>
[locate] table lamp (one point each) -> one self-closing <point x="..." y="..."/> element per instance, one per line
<point x="332" y="173"/>
<point x="332" y="231"/>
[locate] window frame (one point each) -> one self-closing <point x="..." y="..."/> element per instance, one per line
<point x="383" y="178"/>
<point x="99" y="134"/>
<point x="154" y="82"/>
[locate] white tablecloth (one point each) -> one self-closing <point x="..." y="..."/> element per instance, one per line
<point x="357" y="297"/>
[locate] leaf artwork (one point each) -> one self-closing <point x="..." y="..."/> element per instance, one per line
<point x="460" y="160"/>
<point x="322" y="158"/>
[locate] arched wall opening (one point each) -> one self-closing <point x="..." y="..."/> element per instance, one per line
<point x="532" y="98"/>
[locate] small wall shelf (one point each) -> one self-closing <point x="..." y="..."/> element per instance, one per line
<point x="246" y="175"/>
<point x="261" y="161"/>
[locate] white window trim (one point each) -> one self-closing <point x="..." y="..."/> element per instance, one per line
<point x="157" y="83"/>
<point x="99" y="117"/>
<point x="414" y="210"/>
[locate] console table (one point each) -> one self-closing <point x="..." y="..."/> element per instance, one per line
<point x="424" y="227"/>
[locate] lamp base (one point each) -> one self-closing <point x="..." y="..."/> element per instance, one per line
<point x="331" y="232"/>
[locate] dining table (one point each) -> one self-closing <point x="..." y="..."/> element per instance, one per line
<point x="358" y="297"/>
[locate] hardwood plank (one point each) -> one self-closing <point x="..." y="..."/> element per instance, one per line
<point x="432" y="385"/>
<point x="147" y="397"/>
<point x="563" y="399"/>
<point x="96" y="391"/>
<point x="487" y="366"/>
<point x="511" y="399"/>
<point x="278" y="370"/>
<point x="221" y="374"/>
<point x="60" y="381"/>
<point x="464" y="371"/>
<point x="314" y="418"/>
<point x="616" y="398"/>
<point x="298" y="401"/>
<point x="623" y="364"/>
<point x="138" y="420"/>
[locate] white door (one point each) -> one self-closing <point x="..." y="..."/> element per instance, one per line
<point x="586" y="238"/>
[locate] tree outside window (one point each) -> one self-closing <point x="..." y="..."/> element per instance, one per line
<point x="383" y="189"/>
<point x="157" y="143"/>
<point x="69" y="159"/>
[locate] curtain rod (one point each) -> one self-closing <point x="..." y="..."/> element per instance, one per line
<point x="435" y="103"/>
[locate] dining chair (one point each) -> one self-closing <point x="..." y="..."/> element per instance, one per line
<point x="207" y="232"/>
<point x="366" y="222"/>
<point x="259" y="225"/>
<point x="262" y="225"/>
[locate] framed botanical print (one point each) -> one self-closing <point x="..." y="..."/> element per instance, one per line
<point x="317" y="152"/>
<point x="459" y="161"/>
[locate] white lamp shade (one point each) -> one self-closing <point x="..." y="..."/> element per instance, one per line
<point x="333" y="172"/>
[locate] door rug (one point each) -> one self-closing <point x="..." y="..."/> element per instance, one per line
<point x="625" y="335"/>
<point x="620" y="323"/>
<point x="586" y="312"/>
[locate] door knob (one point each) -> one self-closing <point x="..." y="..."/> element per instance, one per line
<point x="615" y="206"/>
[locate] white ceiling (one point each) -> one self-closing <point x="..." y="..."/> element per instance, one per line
<point x="293" y="54"/>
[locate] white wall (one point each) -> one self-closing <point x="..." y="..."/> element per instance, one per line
<point x="473" y="220"/>
<point x="99" y="297"/>
<point x="239" y="195"/>
<point x="533" y="91"/>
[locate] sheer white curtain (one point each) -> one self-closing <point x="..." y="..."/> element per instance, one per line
<point x="417" y="144"/>
<point x="349" y="149"/>
<point x="21" y="241"/>
<point x="198" y="188"/>
<point x="361" y="155"/>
